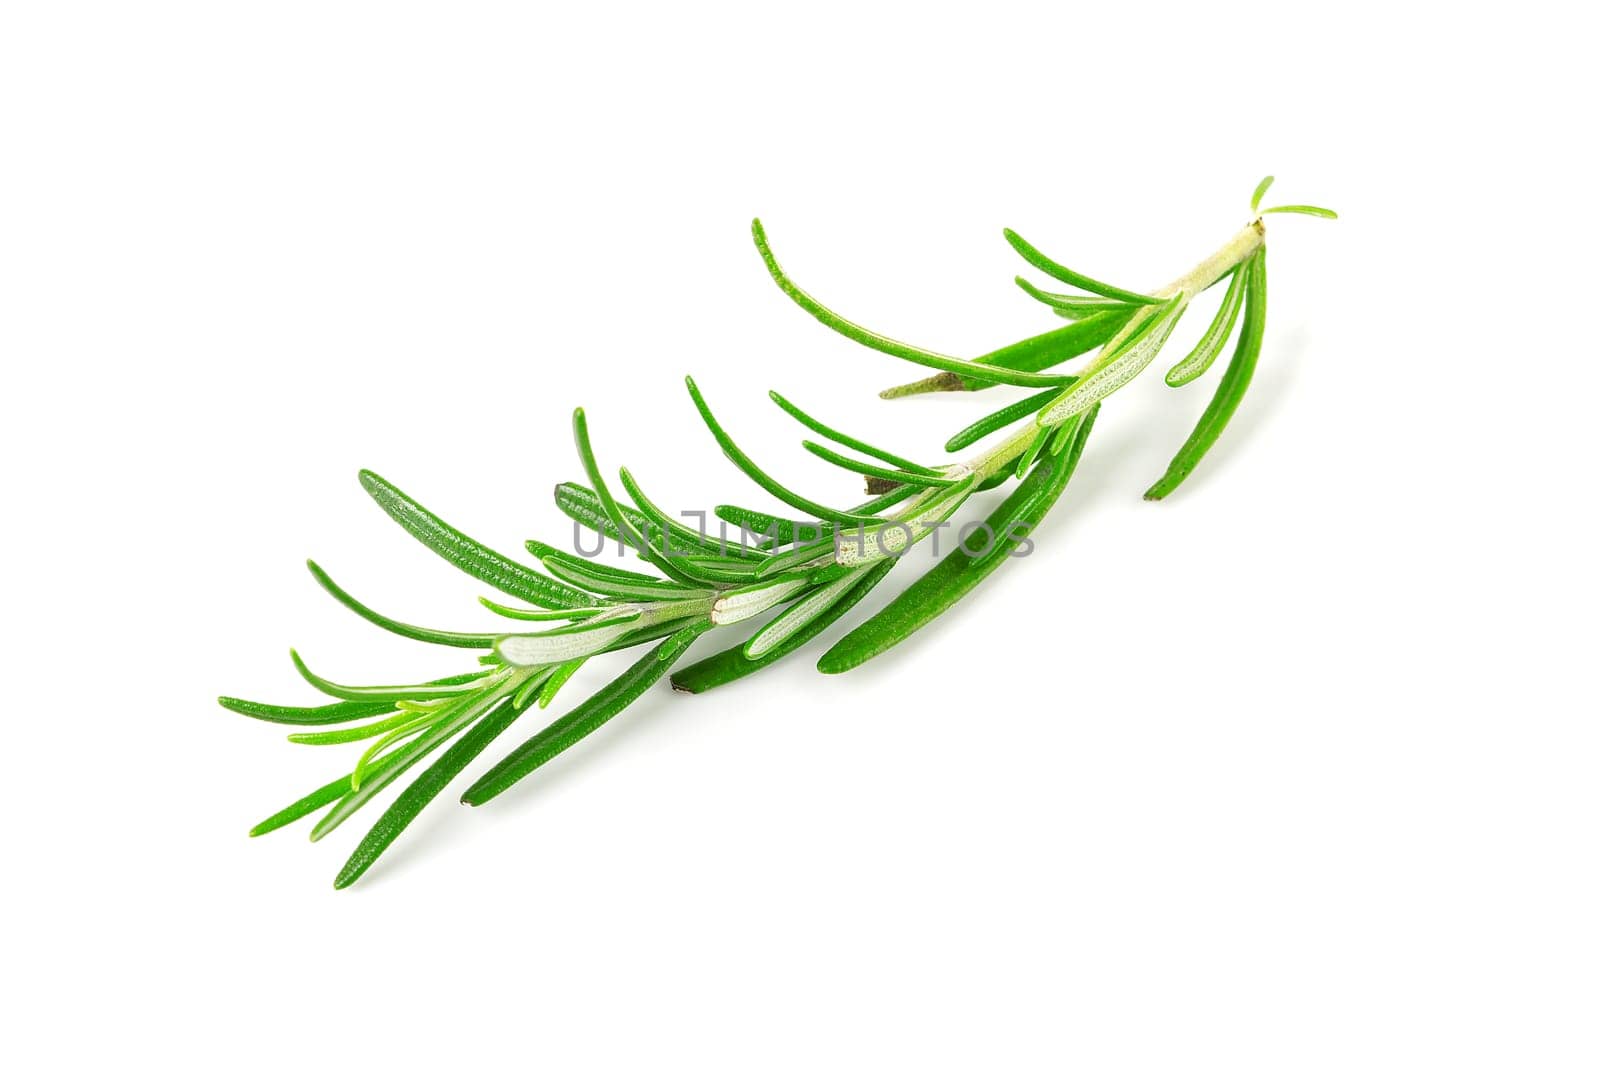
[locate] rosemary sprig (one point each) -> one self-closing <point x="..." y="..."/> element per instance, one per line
<point x="807" y="571"/>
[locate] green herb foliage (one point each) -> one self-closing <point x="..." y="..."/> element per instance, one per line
<point x="794" y="575"/>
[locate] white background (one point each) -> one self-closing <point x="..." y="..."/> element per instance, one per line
<point x="1295" y="769"/>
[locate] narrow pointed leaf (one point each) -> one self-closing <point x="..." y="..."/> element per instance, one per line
<point x="1261" y="191"/>
<point x="356" y="734"/>
<point x="779" y="530"/>
<point x="582" y="505"/>
<point x="1030" y="354"/>
<point x="1216" y="336"/>
<point x="1230" y="391"/>
<point x="958" y="573"/>
<point x="994" y="421"/>
<point x="1072" y="305"/>
<point x="544" y="552"/>
<point x="895" y="536"/>
<point x="732" y="664"/>
<point x="558" y="679"/>
<point x="802" y="612"/>
<point x="753" y="599"/>
<point x="783" y="531"/>
<point x="395" y="763"/>
<point x="812" y="423"/>
<point x="1031" y="454"/>
<point x="336" y="713"/>
<point x="424" y="789"/>
<point x="325" y="795"/>
<point x="1074" y="278"/>
<point x="872" y="340"/>
<point x="861" y="467"/>
<point x="474" y="558"/>
<point x="689" y="564"/>
<point x="458" y="639"/>
<point x="1119" y="364"/>
<point x="511" y="612"/>
<point x="604" y="704"/>
<point x="414" y="692"/>
<point x="1303" y="209"/>
<point x="606" y="586"/>
<point x="630" y="532"/>
<point x="742" y="461"/>
<point x="320" y="798"/>
<point x="553" y="647"/>
<point x="795" y="557"/>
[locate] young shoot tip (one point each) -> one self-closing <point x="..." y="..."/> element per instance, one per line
<point x="1261" y="191"/>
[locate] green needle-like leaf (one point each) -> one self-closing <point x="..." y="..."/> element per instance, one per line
<point x="705" y="570"/>
<point x="1006" y="416"/>
<point x="846" y="440"/>
<point x="558" y="679"/>
<point x="874" y="471"/>
<point x="1303" y="209"/>
<point x="1230" y="391"/>
<point x="802" y="612"/>
<point x="544" y="552"/>
<point x="742" y="461"/>
<point x="895" y="535"/>
<point x="630" y="533"/>
<point x="779" y="530"/>
<point x="631" y="590"/>
<point x="1261" y="191"/>
<point x="387" y="769"/>
<point x="980" y="553"/>
<point x="582" y="505"/>
<point x="511" y="612"/>
<point x="421" y="634"/>
<point x="474" y="558"/>
<point x="604" y="704"/>
<point x="1031" y="354"/>
<point x="1031" y="454"/>
<point x="732" y="664"/>
<point x="424" y="789"/>
<point x="355" y="734"/>
<point x="1211" y="342"/>
<point x="415" y="692"/>
<point x="589" y="638"/>
<point x="1120" y="363"/>
<point x="336" y="713"/>
<point x="373" y="756"/>
<point x="325" y="795"/>
<point x="857" y="333"/>
<point x="1073" y="305"/>
<point x="782" y="531"/>
<point x="1074" y="278"/>
<point x="789" y="560"/>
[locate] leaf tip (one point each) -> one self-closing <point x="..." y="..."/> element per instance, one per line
<point x="1261" y="191"/>
<point x="832" y="663"/>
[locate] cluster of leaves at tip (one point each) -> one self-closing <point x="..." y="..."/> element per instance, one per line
<point x="802" y="572"/>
